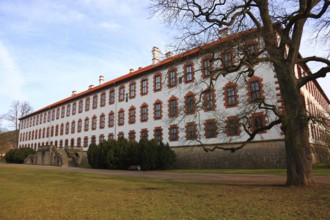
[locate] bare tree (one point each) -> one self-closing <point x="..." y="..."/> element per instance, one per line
<point x="280" y="24"/>
<point x="17" y="110"/>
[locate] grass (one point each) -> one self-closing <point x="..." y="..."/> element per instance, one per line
<point x="317" y="171"/>
<point x="51" y="194"/>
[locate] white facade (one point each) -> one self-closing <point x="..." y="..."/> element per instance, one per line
<point x="33" y="128"/>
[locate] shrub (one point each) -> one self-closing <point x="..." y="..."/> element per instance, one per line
<point x="120" y="154"/>
<point x="18" y="155"/>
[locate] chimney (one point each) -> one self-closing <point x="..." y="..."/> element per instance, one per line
<point x="74" y="92"/>
<point x="168" y="54"/>
<point x="155" y="55"/>
<point x="223" y="32"/>
<point x="131" y="70"/>
<point x="90" y="86"/>
<point x="101" y="80"/>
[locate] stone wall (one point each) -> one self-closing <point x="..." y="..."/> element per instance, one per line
<point x="261" y="155"/>
<point x="53" y="156"/>
<point x="321" y="154"/>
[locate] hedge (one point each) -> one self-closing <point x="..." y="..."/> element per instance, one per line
<point x="18" y="155"/>
<point x="121" y="154"/>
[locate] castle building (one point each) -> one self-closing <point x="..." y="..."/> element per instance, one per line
<point x="172" y="101"/>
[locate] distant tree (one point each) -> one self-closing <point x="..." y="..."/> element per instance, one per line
<point x="1" y="119"/>
<point x="280" y="25"/>
<point x="17" y="110"/>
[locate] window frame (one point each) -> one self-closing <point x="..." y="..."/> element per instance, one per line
<point x="172" y="77"/>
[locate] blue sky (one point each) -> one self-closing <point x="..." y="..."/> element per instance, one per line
<point x="50" y="47"/>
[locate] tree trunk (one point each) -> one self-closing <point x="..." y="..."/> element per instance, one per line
<point x="295" y="127"/>
<point x="298" y="153"/>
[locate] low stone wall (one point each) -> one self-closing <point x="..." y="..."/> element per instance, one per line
<point x="255" y="155"/>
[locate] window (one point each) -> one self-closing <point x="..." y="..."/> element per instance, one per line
<point x="188" y="72"/>
<point x="131" y="135"/>
<point x="111" y="119"/>
<point x="230" y="92"/>
<point x="47" y="133"/>
<point x="79" y="125"/>
<point x="121" y="117"/>
<point x="157" y="82"/>
<point x="132" y="90"/>
<point x="157" y="110"/>
<point x="101" y="138"/>
<point x="121" y="93"/>
<point x="66" y="143"/>
<point x="209" y="100"/>
<point x="79" y="142"/>
<point x="121" y="134"/>
<point x="74" y="108"/>
<point x="73" y="127"/>
<point x="80" y="106"/>
<point x="68" y="110"/>
<point x="72" y="142"/>
<point x="144" y="112"/>
<point x="51" y="132"/>
<point x="61" y="143"/>
<point x="67" y="128"/>
<point x="257" y="121"/>
<point x="45" y="118"/>
<point x="56" y="131"/>
<point x="173" y="106"/>
<point x="57" y="113"/>
<point x="190" y="103"/>
<point x="173" y="133"/>
<point x="172" y="77"/>
<point x="103" y="99"/>
<point x="102" y="121"/>
<point x="94" y="122"/>
<point x="191" y="133"/>
<point x="62" y="129"/>
<point x="93" y="139"/>
<point x="87" y="104"/>
<point x="144" y="134"/>
<point x="144" y="86"/>
<point x="86" y="124"/>
<point x="110" y="137"/>
<point x="112" y="96"/>
<point x="158" y="134"/>
<point x="94" y="101"/>
<point x="255" y="90"/>
<point x="210" y="128"/>
<point x="53" y="115"/>
<point x="206" y="66"/>
<point x="228" y="58"/>
<point x="86" y="141"/>
<point x="62" y="111"/>
<point x="131" y="117"/>
<point x="232" y="126"/>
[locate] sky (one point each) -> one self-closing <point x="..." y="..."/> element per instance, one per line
<point x="48" y="48"/>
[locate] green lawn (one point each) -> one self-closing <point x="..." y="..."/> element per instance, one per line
<point x="51" y="194"/>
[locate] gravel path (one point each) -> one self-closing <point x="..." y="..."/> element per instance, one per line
<point x="252" y="179"/>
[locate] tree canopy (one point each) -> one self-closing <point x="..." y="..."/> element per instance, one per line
<point x="281" y="25"/>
